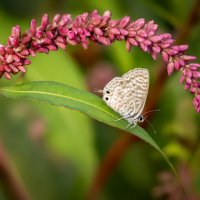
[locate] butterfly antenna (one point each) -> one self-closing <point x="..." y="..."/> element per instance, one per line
<point x="151" y="111"/>
<point x="150" y="125"/>
<point x="98" y="91"/>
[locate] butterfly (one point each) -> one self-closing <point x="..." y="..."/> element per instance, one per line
<point x="127" y="94"/>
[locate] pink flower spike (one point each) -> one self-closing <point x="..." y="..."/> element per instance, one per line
<point x="63" y="30"/>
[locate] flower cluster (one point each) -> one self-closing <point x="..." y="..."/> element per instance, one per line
<point x="64" y="30"/>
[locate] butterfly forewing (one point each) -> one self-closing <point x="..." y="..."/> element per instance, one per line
<point x="127" y="94"/>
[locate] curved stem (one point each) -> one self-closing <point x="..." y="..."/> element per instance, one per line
<point x="119" y="147"/>
<point x="9" y="179"/>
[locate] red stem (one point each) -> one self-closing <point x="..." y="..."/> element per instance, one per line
<point x="9" y="179"/>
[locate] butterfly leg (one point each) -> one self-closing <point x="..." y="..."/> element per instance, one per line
<point x="134" y="124"/>
<point x="119" y="119"/>
<point x="127" y="126"/>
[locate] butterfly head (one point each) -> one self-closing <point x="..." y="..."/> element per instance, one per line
<point x="107" y="95"/>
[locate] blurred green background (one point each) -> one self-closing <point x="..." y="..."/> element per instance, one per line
<point x="55" y="152"/>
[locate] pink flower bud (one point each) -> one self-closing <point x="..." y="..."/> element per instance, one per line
<point x="128" y="46"/>
<point x="26" y="39"/>
<point x="96" y="20"/>
<point x="14" y="69"/>
<point x="115" y="31"/>
<point x="63" y="31"/>
<point x="138" y="24"/>
<point x="133" y="42"/>
<point x="182" y="48"/>
<point x="147" y="42"/>
<point x="156" y="38"/>
<point x="124" y="32"/>
<point x="143" y="47"/>
<point x="171" y="52"/>
<point x="98" y="31"/>
<point x="16" y="32"/>
<point x="139" y="39"/>
<point x="132" y="33"/>
<point x="26" y="62"/>
<point x="154" y="55"/>
<point x="124" y="21"/>
<point x="113" y="23"/>
<point x="14" y="42"/>
<point x="7" y="75"/>
<point x="165" y="56"/>
<point x="142" y="33"/>
<point x="193" y="90"/>
<point x="56" y="18"/>
<point x="65" y="19"/>
<point x="107" y="14"/>
<point x="156" y="49"/>
<point x="103" y="40"/>
<point x="188" y="73"/>
<point x="52" y="47"/>
<point x="44" y="22"/>
<point x="187" y="86"/>
<point x="60" y="42"/>
<point x="196" y="74"/>
<point x="9" y="59"/>
<point x="186" y="57"/>
<point x="7" y="68"/>
<point x="176" y="65"/>
<point x="170" y="68"/>
<point x="33" y="27"/>
<point x="181" y="62"/>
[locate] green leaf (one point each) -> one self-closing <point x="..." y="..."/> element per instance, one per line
<point x="59" y="94"/>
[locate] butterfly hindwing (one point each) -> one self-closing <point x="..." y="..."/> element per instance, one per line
<point x="127" y="94"/>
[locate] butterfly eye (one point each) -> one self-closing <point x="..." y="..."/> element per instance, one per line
<point x="107" y="91"/>
<point x="106" y="98"/>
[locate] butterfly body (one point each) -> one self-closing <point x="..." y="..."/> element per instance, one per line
<point x="127" y="94"/>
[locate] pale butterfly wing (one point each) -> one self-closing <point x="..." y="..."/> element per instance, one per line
<point x="127" y="94"/>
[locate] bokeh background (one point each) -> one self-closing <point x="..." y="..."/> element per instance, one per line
<point x="50" y="153"/>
